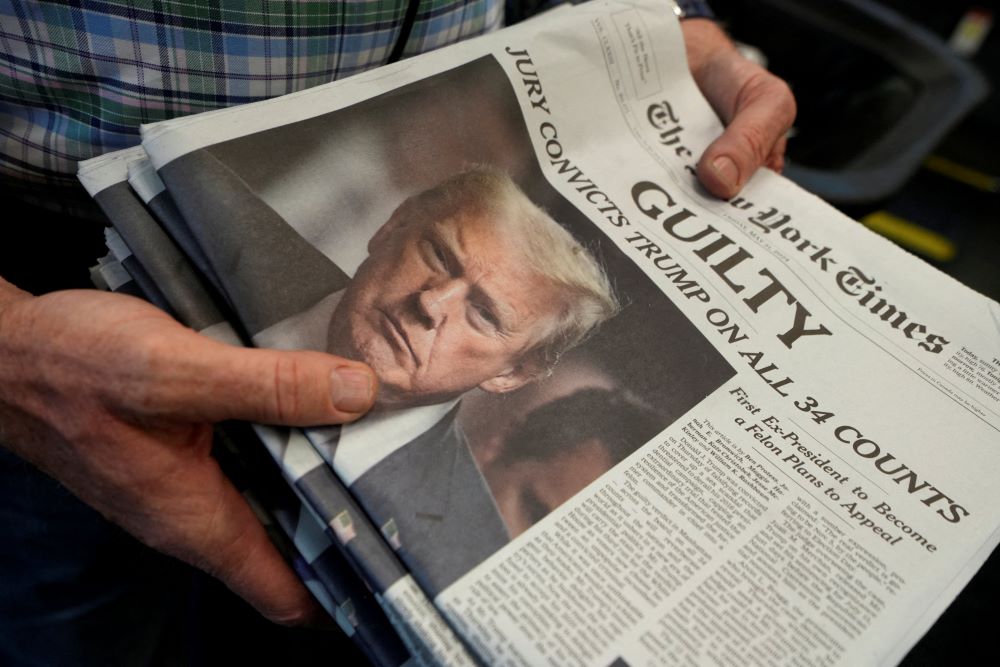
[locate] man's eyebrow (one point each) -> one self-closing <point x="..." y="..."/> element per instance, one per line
<point x="500" y="309"/>
<point x="449" y="238"/>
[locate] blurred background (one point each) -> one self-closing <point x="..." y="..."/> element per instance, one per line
<point x="899" y="117"/>
<point x="899" y="127"/>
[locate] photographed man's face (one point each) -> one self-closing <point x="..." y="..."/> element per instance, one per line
<point x="442" y="306"/>
<point x="527" y="490"/>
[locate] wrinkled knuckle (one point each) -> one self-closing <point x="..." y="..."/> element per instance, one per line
<point x="758" y="85"/>
<point x="88" y="428"/>
<point x="788" y="108"/>
<point x="756" y="144"/>
<point x="217" y="552"/>
<point x="155" y="354"/>
<point x="764" y="85"/>
<point x="286" y="395"/>
<point x="145" y="372"/>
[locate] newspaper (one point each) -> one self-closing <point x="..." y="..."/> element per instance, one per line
<point x="774" y="448"/>
<point x="328" y="570"/>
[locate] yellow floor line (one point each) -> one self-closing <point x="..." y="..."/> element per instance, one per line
<point x="910" y="235"/>
<point x="957" y="172"/>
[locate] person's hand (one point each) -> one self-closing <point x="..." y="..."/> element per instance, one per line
<point x="116" y="400"/>
<point x="757" y="107"/>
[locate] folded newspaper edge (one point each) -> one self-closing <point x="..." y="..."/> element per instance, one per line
<point x="320" y="494"/>
<point x="814" y="285"/>
<point x="320" y="559"/>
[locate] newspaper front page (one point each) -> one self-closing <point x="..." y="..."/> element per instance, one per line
<point x="622" y="422"/>
<point x="130" y="194"/>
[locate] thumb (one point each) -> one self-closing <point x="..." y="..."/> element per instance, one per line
<point x="212" y="381"/>
<point x="763" y="113"/>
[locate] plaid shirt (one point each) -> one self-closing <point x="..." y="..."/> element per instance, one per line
<point x="78" y="77"/>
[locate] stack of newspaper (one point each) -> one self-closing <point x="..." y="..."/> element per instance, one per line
<point x="620" y="422"/>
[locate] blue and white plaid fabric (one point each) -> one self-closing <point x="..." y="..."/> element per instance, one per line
<point x="78" y="78"/>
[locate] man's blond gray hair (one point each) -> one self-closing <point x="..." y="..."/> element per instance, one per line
<point x="549" y="249"/>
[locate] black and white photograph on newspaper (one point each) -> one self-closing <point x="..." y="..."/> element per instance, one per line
<point x="416" y="232"/>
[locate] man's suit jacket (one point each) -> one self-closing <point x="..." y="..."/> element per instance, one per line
<point x="430" y="488"/>
<point x="433" y="492"/>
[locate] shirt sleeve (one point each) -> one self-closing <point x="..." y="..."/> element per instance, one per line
<point x="691" y="9"/>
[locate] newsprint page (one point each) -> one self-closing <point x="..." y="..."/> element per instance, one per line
<point x="621" y="422"/>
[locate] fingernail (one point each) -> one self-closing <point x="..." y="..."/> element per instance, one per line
<point x="727" y="171"/>
<point x="352" y="389"/>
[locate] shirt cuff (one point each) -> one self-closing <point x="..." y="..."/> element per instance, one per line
<point x="693" y="9"/>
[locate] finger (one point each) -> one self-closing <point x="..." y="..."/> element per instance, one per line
<point x="210" y="381"/>
<point x="250" y="565"/>
<point x="763" y="116"/>
<point x="177" y="500"/>
<point x="221" y="535"/>
<point x="776" y="161"/>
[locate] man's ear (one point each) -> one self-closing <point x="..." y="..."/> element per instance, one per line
<point x="396" y="222"/>
<point x="515" y="377"/>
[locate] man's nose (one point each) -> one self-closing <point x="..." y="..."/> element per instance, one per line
<point x="436" y="302"/>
